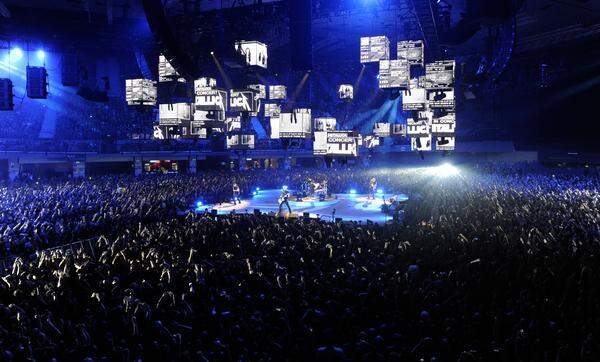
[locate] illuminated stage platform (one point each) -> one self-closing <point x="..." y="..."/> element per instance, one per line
<point x="348" y="207"/>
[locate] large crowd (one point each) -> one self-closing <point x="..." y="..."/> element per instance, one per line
<point x="497" y="263"/>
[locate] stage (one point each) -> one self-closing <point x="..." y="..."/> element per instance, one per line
<point x="348" y="207"/>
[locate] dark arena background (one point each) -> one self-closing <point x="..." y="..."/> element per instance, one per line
<point x="299" y="180"/>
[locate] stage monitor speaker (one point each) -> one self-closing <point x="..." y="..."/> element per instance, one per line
<point x="69" y="70"/>
<point x="6" y="95"/>
<point x="301" y="34"/>
<point x="37" y="83"/>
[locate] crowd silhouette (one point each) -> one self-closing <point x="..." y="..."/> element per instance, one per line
<point x="497" y="263"/>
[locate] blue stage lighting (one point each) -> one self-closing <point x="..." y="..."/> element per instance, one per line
<point x="255" y="193"/>
<point x="380" y="191"/>
<point x="16" y="53"/>
<point x="352" y="192"/>
<point x="199" y="204"/>
<point x="284" y="187"/>
<point x="41" y="54"/>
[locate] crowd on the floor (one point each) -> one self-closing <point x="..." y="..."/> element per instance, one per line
<point x="497" y="263"/>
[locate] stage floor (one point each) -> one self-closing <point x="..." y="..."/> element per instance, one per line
<point x="349" y="207"/>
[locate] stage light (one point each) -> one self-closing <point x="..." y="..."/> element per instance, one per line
<point x="199" y="204"/>
<point x="16" y="53"/>
<point x="255" y="193"/>
<point x="352" y="192"/>
<point x="212" y="53"/>
<point x="41" y="54"/>
<point x="257" y="189"/>
<point x="284" y="188"/>
<point x="380" y="191"/>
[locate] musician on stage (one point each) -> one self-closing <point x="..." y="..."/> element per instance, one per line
<point x="236" y="193"/>
<point x="372" y="188"/>
<point x="283" y="200"/>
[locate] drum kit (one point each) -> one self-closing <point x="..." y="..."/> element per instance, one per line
<point x="313" y="189"/>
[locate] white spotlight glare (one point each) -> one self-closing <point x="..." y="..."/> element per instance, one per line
<point x="446" y="170"/>
<point x="41" y="54"/>
<point x="16" y="53"/>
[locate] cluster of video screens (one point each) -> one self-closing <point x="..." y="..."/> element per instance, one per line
<point x="428" y="99"/>
<point x="140" y="92"/>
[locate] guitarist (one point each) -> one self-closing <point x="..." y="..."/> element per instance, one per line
<point x="372" y="188"/>
<point x="236" y="193"/>
<point x="283" y="200"/>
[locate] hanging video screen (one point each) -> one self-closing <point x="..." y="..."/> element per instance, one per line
<point x="325" y="124"/>
<point x="413" y="51"/>
<point x="242" y="101"/>
<point x="399" y="130"/>
<point x="440" y="74"/>
<point x="260" y="90"/>
<point x="204" y="83"/>
<point x="165" y="132"/>
<point x="445" y="143"/>
<point x="421" y="143"/>
<point x="342" y="143"/>
<point x="371" y="141"/>
<point x="240" y="142"/>
<point x="346" y="91"/>
<point x="272" y="110"/>
<point x="255" y="52"/>
<point x="166" y="72"/>
<point x="320" y="143"/>
<point x="414" y="99"/>
<point x="140" y="92"/>
<point x="274" y="122"/>
<point x="374" y="49"/>
<point x="233" y="124"/>
<point x="296" y="124"/>
<point x="441" y="99"/>
<point x="382" y="129"/>
<point x="174" y="114"/>
<point x="277" y="92"/>
<point x="211" y="100"/>
<point x="417" y="127"/>
<point x="444" y="125"/>
<point x="394" y="74"/>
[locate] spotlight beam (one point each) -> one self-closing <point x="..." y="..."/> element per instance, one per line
<point x="228" y="82"/>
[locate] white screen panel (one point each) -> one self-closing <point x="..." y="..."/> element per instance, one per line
<point x="174" y="114"/>
<point x="277" y="92"/>
<point x="414" y="99"/>
<point x="346" y="91"/>
<point x="374" y="49"/>
<point x="394" y="74"/>
<point x="413" y="51"/>
<point x="325" y="124"/>
<point x="255" y="52"/>
<point x="140" y="92"/>
<point x="211" y="100"/>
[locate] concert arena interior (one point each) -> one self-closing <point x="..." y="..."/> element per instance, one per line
<point x="299" y="180"/>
